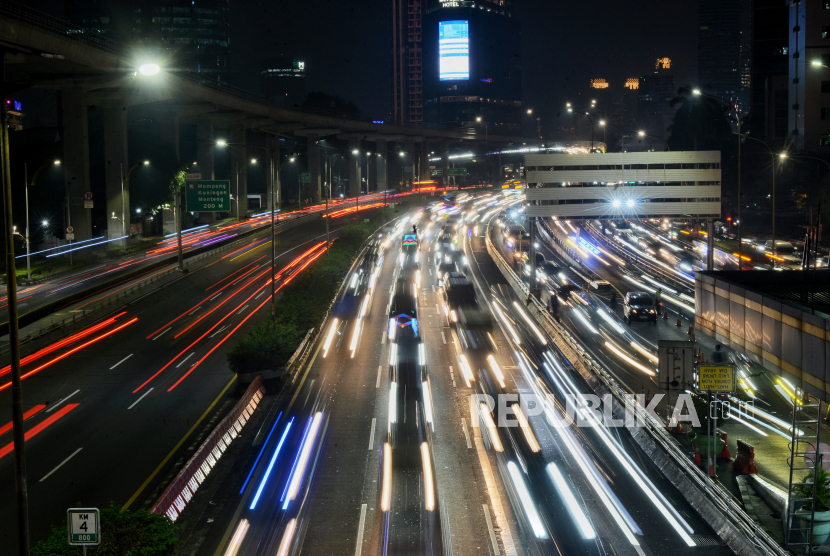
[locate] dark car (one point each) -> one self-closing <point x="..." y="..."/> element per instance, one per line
<point x="639" y="306"/>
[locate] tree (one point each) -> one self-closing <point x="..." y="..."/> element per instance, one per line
<point x="700" y="123"/>
<point x="334" y="103"/>
<point x="152" y="185"/>
<point x="133" y="533"/>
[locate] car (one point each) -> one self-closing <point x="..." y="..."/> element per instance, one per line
<point x="639" y="306"/>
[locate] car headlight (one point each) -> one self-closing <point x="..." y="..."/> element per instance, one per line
<point x="652" y="310"/>
<point x="633" y="310"/>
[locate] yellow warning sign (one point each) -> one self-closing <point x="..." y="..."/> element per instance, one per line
<point x="716" y="378"/>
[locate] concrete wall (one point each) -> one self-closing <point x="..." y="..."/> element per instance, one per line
<point x="788" y="340"/>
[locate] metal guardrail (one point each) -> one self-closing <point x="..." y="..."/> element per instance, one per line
<point x="721" y="500"/>
<point x="55" y="325"/>
<point x="179" y="493"/>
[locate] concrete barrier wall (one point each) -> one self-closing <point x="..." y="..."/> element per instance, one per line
<point x="785" y="338"/>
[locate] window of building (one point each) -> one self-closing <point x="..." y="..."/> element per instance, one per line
<point x="825" y="113"/>
<point x="825" y="5"/>
<point x="825" y="32"/>
<point x="825" y="86"/>
<point x="824" y="141"/>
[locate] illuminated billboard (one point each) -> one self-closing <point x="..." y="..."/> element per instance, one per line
<point x="454" y="50"/>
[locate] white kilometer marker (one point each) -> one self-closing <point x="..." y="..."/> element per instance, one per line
<point x="185" y="359"/>
<point x="372" y="434"/>
<point x="242" y="309"/>
<point x="215" y="296"/>
<point x="139" y="399"/>
<point x="60" y="402"/>
<point x="114" y="366"/>
<point x="194" y="310"/>
<point x="162" y="334"/>
<point x="60" y="465"/>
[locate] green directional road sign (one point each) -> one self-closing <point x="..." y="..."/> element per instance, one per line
<point x="407" y="168"/>
<point x="306" y="177"/>
<point x="208" y="195"/>
<point x="456" y="171"/>
<point x="436" y="172"/>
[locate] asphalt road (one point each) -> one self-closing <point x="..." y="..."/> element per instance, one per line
<point x="133" y="396"/>
<point x="481" y="502"/>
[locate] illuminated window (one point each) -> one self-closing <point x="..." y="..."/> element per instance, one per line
<point x="632" y="83"/>
<point x="824" y="141"/>
<point x="663" y="63"/>
<point x="599" y="84"/>
<point x="825" y="32"/>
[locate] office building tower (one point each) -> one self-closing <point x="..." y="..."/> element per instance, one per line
<point x="768" y="71"/>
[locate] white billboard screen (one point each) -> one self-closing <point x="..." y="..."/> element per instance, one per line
<point x="454" y="50"/>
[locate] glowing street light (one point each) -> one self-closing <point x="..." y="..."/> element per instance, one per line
<point x="221" y="143"/>
<point x="641" y="133"/>
<point x="253" y="161"/>
<point x="355" y="151"/>
<point x="149" y="69"/>
<point x="696" y="91"/>
<point x="530" y="110"/>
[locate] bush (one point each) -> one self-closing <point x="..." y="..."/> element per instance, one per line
<point x="137" y="533"/>
<point x="267" y="346"/>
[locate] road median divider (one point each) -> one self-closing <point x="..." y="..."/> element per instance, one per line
<point x="179" y="493"/>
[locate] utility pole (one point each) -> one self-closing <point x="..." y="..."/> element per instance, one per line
<point x="21" y="487"/>
<point x="28" y="261"/>
<point x="179" y="208"/>
<point x="273" y="207"/>
<point x="300" y="189"/>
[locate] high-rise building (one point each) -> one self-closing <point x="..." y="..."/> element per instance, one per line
<point x="768" y="71"/>
<point x="809" y="75"/>
<point x="472" y="65"/>
<point x="407" y="62"/>
<point x="284" y="79"/>
<point x="183" y="34"/>
<point x="723" y="53"/>
<point x="655" y="92"/>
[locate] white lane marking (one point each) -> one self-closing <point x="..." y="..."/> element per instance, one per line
<point x="452" y="377"/>
<point x="60" y="402"/>
<point x="372" y="434"/>
<point x="194" y="310"/>
<point x="380" y="372"/>
<point x="242" y="309"/>
<point x="495" y="499"/>
<point x="217" y="332"/>
<point x="430" y="272"/>
<point x="185" y="359"/>
<point x="437" y="312"/>
<point x="259" y="294"/>
<point x="493" y="539"/>
<point x="359" y="548"/>
<point x="433" y="289"/>
<point x="466" y="432"/>
<point x="215" y="296"/>
<point x="443" y="337"/>
<point x="453" y="383"/>
<point x="141" y="398"/>
<point x="163" y="333"/>
<point x="75" y="453"/>
<point x="114" y="366"/>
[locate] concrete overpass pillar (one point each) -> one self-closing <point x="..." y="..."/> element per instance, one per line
<point x="423" y="167"/>
<point x="380" y="168"/>
<point x="354" y="166"/>
<point x="117" y="166"/>
<point x="314" y="166"/>
<point x="272" y="161"/>
<point x="76" y="159"/>
<point x="169" y="131"/>
<point x="239" y="171"/>
<point x="445" y="161"/>
<point x="204" y="159"/>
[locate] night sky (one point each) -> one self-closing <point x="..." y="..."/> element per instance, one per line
<point x="347" y="45"/>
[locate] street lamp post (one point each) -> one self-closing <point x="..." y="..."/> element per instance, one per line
<point x="772" y="154"/>
<point x="126" y="178"/>
<point x="26" y="188"/>
<point x="698" y="92"/>
<point x="642" y="133"/>
<point x="802" y="157"/>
